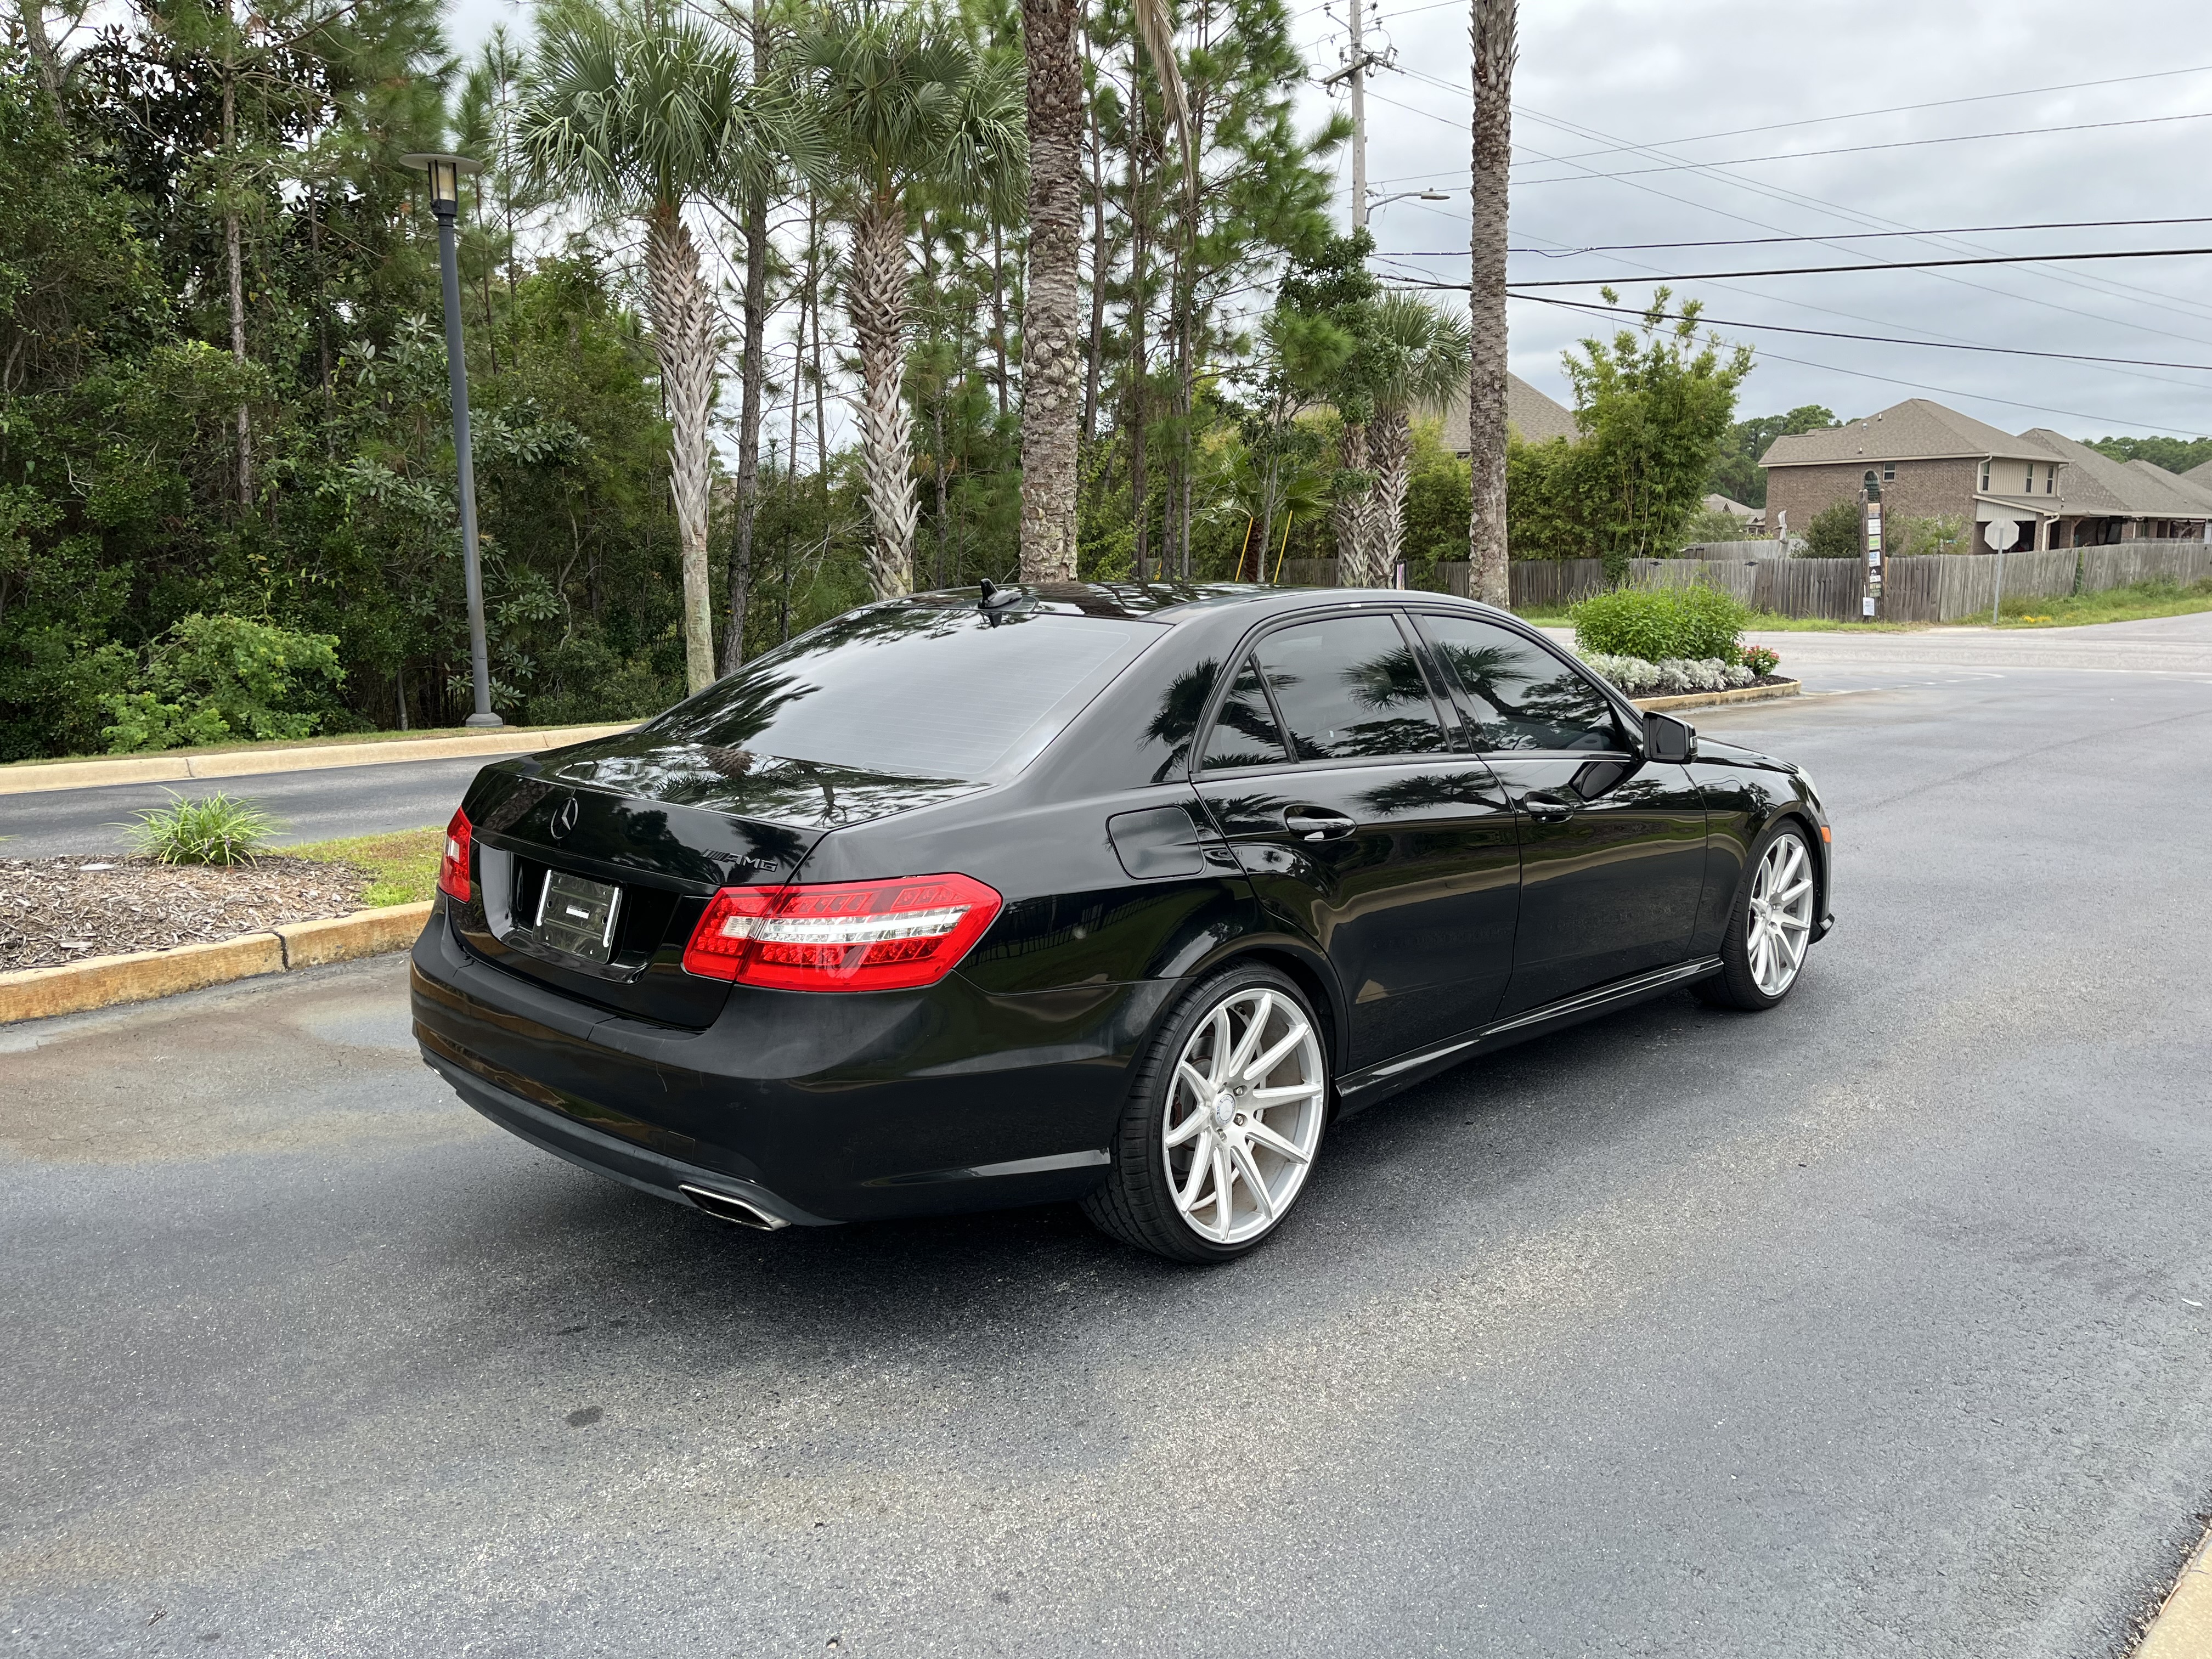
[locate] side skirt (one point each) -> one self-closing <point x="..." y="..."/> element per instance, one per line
<point x="1359" y="1090"/>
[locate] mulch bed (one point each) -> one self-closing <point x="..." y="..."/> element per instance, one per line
<point x="54" y="911"/>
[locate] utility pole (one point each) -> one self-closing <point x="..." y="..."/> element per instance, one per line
<point x="1356" y="65"/>
<point x="1359" y="123"/>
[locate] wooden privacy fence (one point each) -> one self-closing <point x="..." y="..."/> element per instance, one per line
<point x="2126" y="563"/>
<point x="1935" y="587"/>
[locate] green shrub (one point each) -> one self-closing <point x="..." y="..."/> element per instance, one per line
<point x="1760" y="660"/>
<point x="1657" y="623"/>
<point x="210" y="678"/>
<point x="217" y="829"/>
<point x="1835" y="532"/>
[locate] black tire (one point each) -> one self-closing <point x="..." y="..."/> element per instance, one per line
<point x="1137" y="1203"/>
<point x="1736" y="986"/>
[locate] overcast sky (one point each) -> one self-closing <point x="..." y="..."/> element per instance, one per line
<point x="1597" y="75"/>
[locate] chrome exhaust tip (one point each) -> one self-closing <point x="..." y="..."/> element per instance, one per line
<point x="724" y="1208"/>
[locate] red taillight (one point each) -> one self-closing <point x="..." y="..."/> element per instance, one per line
<point x="847" y="936"/>
<point x="453" y="867"/>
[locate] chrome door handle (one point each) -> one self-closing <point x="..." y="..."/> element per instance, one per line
<point x="1542" y="803"/>
<point x="1317" y="823"/>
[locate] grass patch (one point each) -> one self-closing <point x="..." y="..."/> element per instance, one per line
<point x="403" y="865"/>
<point x="2158" y="598"/>
<point x="1768" y="622"/>
<point x="1760" y="622"/>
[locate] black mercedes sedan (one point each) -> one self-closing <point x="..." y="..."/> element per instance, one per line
<point x="1119" y="893"/>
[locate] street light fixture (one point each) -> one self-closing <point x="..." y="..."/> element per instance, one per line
<point x="446" y="173"/>
<point x="1376" y="200"/>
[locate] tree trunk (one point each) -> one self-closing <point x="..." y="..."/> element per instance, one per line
<point x="820" y="380"/>
<point x="1493" y="28"/>
<point x="1139" y="257"/>
<point x="1348" y="518"/>
<point x="1391" y="452"/>
<point x="876" y="301"/>
<point x="1001" y="380"/>
<point x="684" y="341"/>
<point x="1098" y="274"/>
<point x="1052" y="30"/>
<point x="322" y="302"/>
<point x="752" y="374"/>
<point x="234" y="266"/>
<point x="33" y="14"/>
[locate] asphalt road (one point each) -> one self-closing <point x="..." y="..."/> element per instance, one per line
<point x="361" y="801"/>
<point x="344" y="800"/>
<point x="1877" y="1325"/>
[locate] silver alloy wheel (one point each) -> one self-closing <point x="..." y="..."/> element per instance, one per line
<point x="1244" y="1115"/>
<point x="1780" y="923"/>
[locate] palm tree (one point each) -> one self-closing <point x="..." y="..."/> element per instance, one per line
<point x="1052" y="326"/>
<point x="641" y="114"/>
<point x="912" y="109"/>
<point x="1494" y="24"/>
<point x="1429" y="360"/>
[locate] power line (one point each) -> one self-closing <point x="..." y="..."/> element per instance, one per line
<point x="1809" y="120"/>
<point x="1888" y="379"/>
<point x="1838" y="236"/>
<point x="1878" y="339"/>
<point x="1885" y="264"/>
<point x="1900" y="143"/>
<point x="2111" y="288"/>
<point x="1900" y="109"/>
<point x="1791" y="155"/>
<point x="1799" y="198"/>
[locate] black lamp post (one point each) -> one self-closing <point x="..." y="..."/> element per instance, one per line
<point x="446" y="173"/>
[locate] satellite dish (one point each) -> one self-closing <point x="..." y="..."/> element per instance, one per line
<point x="2001" y="533"/>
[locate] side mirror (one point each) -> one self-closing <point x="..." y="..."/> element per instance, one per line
<point x="1666" y="739"/>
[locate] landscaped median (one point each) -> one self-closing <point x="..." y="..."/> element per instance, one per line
<point x="1756" y="693"/>
<point x="89" y="932"/>
<point x="142" y="975"/>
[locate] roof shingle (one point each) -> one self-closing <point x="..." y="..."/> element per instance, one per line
<point x="1914" y="430"/>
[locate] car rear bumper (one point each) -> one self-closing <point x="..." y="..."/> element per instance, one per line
<point x="811" y="1106"/>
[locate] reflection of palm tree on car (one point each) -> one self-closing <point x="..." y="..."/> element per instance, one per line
<point x="1529" y="713"/>
<point x="1176" y="721"/>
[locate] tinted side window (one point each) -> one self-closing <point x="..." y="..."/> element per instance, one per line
<point x="1245" y="732"/>
<point x="1350" y="687"/>
<point x="1521" y="696"/>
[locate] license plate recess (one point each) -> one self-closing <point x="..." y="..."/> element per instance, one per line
<point x="578" y="916"/>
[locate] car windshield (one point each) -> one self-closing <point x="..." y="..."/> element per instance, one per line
<point x="916" y="690"/>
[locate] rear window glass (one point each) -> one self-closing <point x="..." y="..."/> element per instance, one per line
<point x="1245" y="732"/>
<point x="915" y="690"/>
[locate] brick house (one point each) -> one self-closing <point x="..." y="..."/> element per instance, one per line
<point x="1930" y="462"/>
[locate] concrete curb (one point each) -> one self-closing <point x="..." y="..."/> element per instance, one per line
<point x="1708" y="699"/>
<point x="76" y="988"/>
<point x="2183" y="1629"/>
<point x="249" y="762"/>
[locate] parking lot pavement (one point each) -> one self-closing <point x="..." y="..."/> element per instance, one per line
<point x="1877" y="1325"/>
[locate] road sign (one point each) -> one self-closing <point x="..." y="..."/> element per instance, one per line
<point x="2001" y="533"/>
